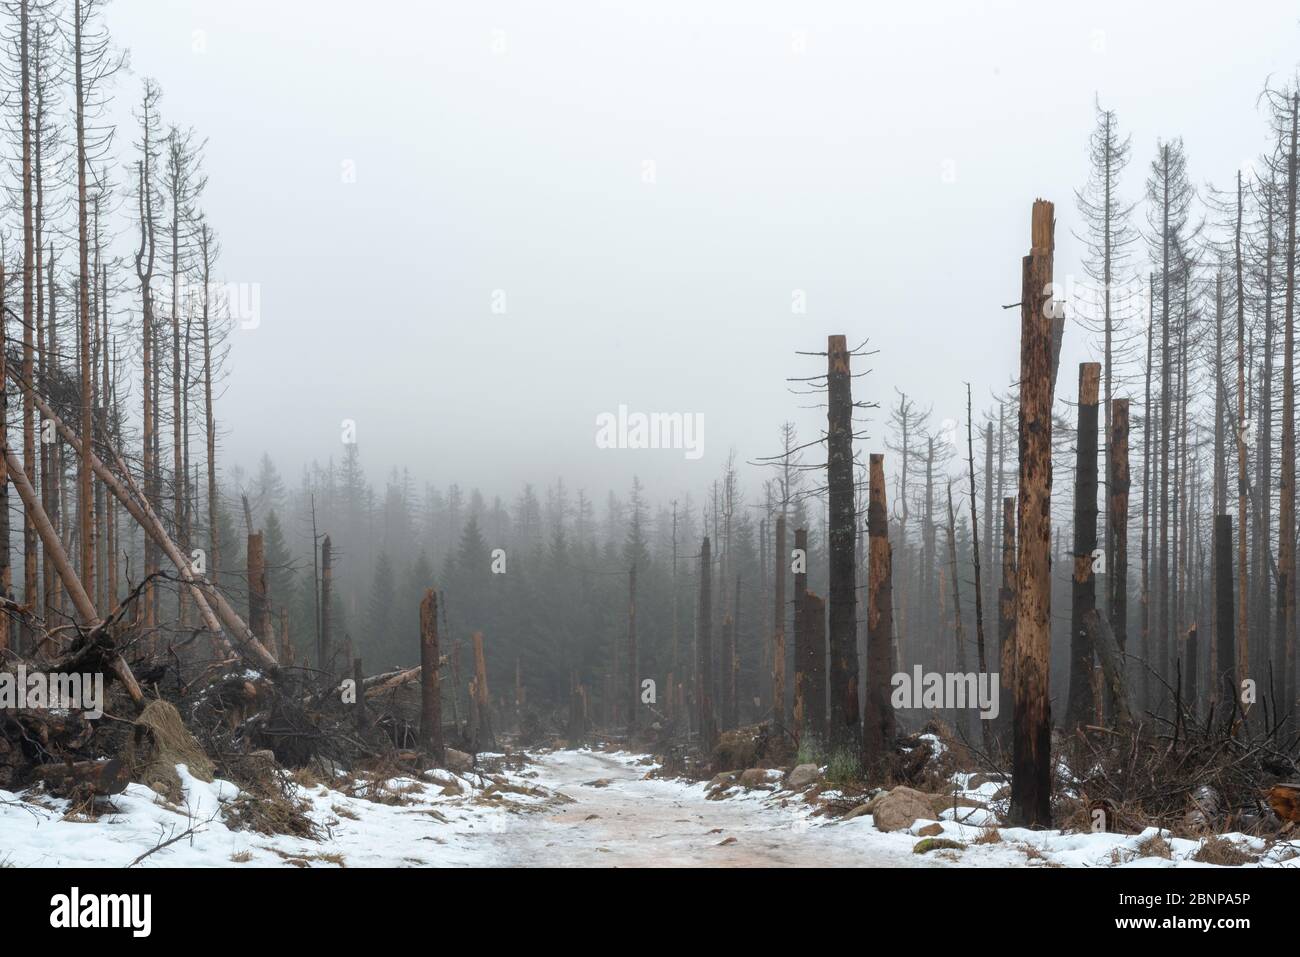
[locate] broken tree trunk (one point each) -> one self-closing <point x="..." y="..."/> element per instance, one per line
<point x="258" y="614"/>
<point x="1031" y="780"/>
<point x="84" y="778"/>
<point x="72" y="584"/>
<point x="1083" y="589"/>
<point x="1112" y="667"/>
<point x="139" y="508"/>
<point x="845" y="730"/>
<point x="878" y="718"/>
<point x="430" y="692"/>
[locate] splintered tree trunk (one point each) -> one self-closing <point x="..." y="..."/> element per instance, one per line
<point x="1117" y="520"/>
<point x="1083" y="591"/>
<point x="326" y="589"/>
<point x="485" y="739"/>
<point x="802" y="649"/>
<point x="1007" y="614"/>
<point x="778" y="632"/>
<point x="878" y="719"/>
<point x="1031" y="781"/>
<point x="430" y="689"/>
<point x="845" y="731"/>
<point x="259" y="619"/>
<point x="1224" y="686"/>
<point x="634" y="685"/>
<point x="704" y="651"/>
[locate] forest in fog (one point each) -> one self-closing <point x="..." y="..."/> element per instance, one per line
<point x="1065" y="608"/>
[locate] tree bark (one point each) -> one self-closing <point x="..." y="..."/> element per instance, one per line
<point x="845" y="730"/>
<point x="878" y="719"/>
<point x="1083" y="590"/>
<point x="1031" y="783"/>
<point x="430" y="686"/>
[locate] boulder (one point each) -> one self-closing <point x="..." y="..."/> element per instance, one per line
<point x="900" y="808"/>
<point x="755" y="778"/>
<point x="458" y="761"/>
<point x="946" y="802"/>
<point x="802" y="776"/>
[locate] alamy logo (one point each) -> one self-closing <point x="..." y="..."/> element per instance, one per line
<point x="39" y="690"/>
<point x="103" y="910"/>
<point x="654" y="430"/>
<point x="931" y="689"/>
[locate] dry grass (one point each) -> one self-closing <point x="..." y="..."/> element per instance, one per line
<point x="1221" y="851"/>
<point x="1155" y="846"/>
<point x="989" y="835"/>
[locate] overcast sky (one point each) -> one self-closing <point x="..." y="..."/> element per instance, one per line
<point x="649" y="184"/>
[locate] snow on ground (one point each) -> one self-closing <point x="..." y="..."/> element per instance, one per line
<point x="568" y="808"/>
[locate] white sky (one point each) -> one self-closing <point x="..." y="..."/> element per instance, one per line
<point x="520" y="168"/>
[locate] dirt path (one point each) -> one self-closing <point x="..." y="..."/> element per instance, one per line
<point x="631" y="822"/>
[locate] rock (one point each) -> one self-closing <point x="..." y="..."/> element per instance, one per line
<point x="900" y="808"/>
<point x="858" y="811"/>
<point x="936" y="844"/>
<point x="598" y="783"/>
<point x="930" y="830"/>
<point x="980" y="779"/>
<point x="723" y="780"/>
<point x="802" y="776"/>
<point x="755" y="778"/>
<point x="458" y="760"/>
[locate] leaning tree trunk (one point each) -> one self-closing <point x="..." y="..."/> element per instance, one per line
<point x="1031" y="781"/>
<point x="845" y="730"/>
<point x="878" y="718"/>
<point x="1083" y="591"/>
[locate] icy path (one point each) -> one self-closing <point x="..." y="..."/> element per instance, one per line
<point x="632" y="822"/>
<point x="593" y="809"/>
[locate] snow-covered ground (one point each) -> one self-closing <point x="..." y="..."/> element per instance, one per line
<point x="568" y="808"/>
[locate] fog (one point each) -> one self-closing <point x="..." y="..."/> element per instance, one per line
<point x="475" y="228"/>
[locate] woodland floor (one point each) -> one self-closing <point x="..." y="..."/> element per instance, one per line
<point x="565" y="809"/>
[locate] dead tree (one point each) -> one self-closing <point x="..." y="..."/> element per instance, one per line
<point x="326" y="651"/>
<point x="1031" y="781"/>
<point x="802" y="664"/>
<point x="1007" y="613"/>
<point x="845" y="730"/>
<point x="1286" y="556"/>
<point x="634" y="699"/>
<point x="259" y="618"/>
<point x="484" y="740"/>
<point x="1083" y="590"/>
<point x="728" y="675"/>
<point x="959" y="627"/>
<point x="878" y="718"/>
<point x="778" y="631"/>
<point x="1224" y="686"/>
<point x="986" y="733"/>
<point x="430" y="688"/>
<point x="704" y="652"/>
<point x="1112" y="667"/>
<point x="1118" y="484"/>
